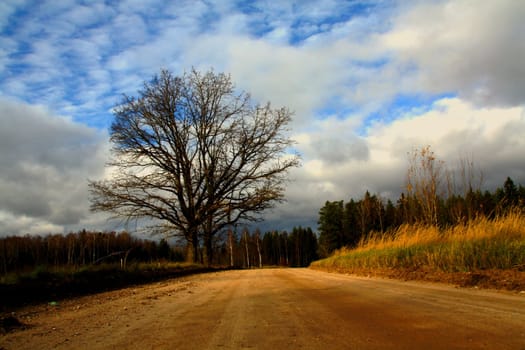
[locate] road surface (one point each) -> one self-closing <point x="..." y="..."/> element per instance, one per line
<point x="277" y="309"/>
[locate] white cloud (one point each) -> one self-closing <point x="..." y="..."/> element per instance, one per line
<point x="7" y="8"/>
<point x="454" y="129"/>
<point x="8" y="45"/>
<point x="22" y="224"/>
<point x="469" y="47"/>
<point x="133" y="41"/>
<point x="332" y="142"/>
<point x="453" y="124"/>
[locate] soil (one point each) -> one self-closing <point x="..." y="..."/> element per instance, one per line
<point x="275" y="309"/>
<point x="511" y="279"/>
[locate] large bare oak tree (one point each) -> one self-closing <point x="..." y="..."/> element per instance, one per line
<point x="196" y="156"/>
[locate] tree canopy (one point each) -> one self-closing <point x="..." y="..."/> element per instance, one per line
<point x="196" y="156"/>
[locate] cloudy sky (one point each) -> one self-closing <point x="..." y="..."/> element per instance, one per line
<point x="369" y="81"/>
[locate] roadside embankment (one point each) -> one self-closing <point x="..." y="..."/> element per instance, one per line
<point x="49" y="284"/>
<point x="481" y="253"/>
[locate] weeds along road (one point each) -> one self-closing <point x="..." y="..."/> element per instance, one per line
<point x="277" y="309"/>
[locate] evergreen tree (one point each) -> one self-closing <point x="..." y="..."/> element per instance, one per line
<point x="331" y="234"/>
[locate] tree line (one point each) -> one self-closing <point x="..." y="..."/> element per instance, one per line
<point x="345" y="223"/>
<point x="79" y="249"/>
<point x="433" y="196"/>
<point x="245" y="249"/>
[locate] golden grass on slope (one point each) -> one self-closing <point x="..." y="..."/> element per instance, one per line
<point x="510" y="226"/>
<point x="479" y="244"/>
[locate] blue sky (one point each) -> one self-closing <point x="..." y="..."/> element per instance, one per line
<point x="368" y="80"/>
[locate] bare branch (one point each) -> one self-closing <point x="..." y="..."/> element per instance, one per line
<point x="191" y="152"/>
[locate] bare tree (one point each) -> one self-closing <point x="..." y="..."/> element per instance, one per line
<point x="230" y="246"/>
<point x="246" y="237"/>
<point x="425" y="183"/>
<point x="467" y="182"/>
<point x="258" y="245"/>
<point x="195" y="156"/>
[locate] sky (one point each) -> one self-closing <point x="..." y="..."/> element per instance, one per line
<point x="368" y="81"/>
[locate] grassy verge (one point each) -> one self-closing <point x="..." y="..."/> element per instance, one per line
<point x="51" y="284"/>
<point x="486" y="253"/>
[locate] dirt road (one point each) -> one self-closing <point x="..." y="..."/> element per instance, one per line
<point x="277" y="309"/>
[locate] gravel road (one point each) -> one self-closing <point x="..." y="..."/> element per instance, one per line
<point x="277" y="309"/>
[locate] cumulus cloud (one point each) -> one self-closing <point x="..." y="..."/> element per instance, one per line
<point x="44" y="166"/>
<point x="454" y="128"/>
<point x="466" y="47"/>
<point x="332" y="141"/>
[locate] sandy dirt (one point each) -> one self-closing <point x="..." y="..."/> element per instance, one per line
<point x="277" y="309"/>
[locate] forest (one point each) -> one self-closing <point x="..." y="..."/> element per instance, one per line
<point x="85" y="248"/>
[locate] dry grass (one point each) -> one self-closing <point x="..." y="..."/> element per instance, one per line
<point x="510" y="227"/>
<point x="481" y="244"/>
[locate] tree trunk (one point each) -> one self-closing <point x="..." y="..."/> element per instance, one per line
<point x="209" y="250"/>
<point x="192" y="252"/>
<point x="230" y="239"/>
<point x="247" y="251"/>
<point x="259" y="250"/>
<point x="195" y="246"/>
